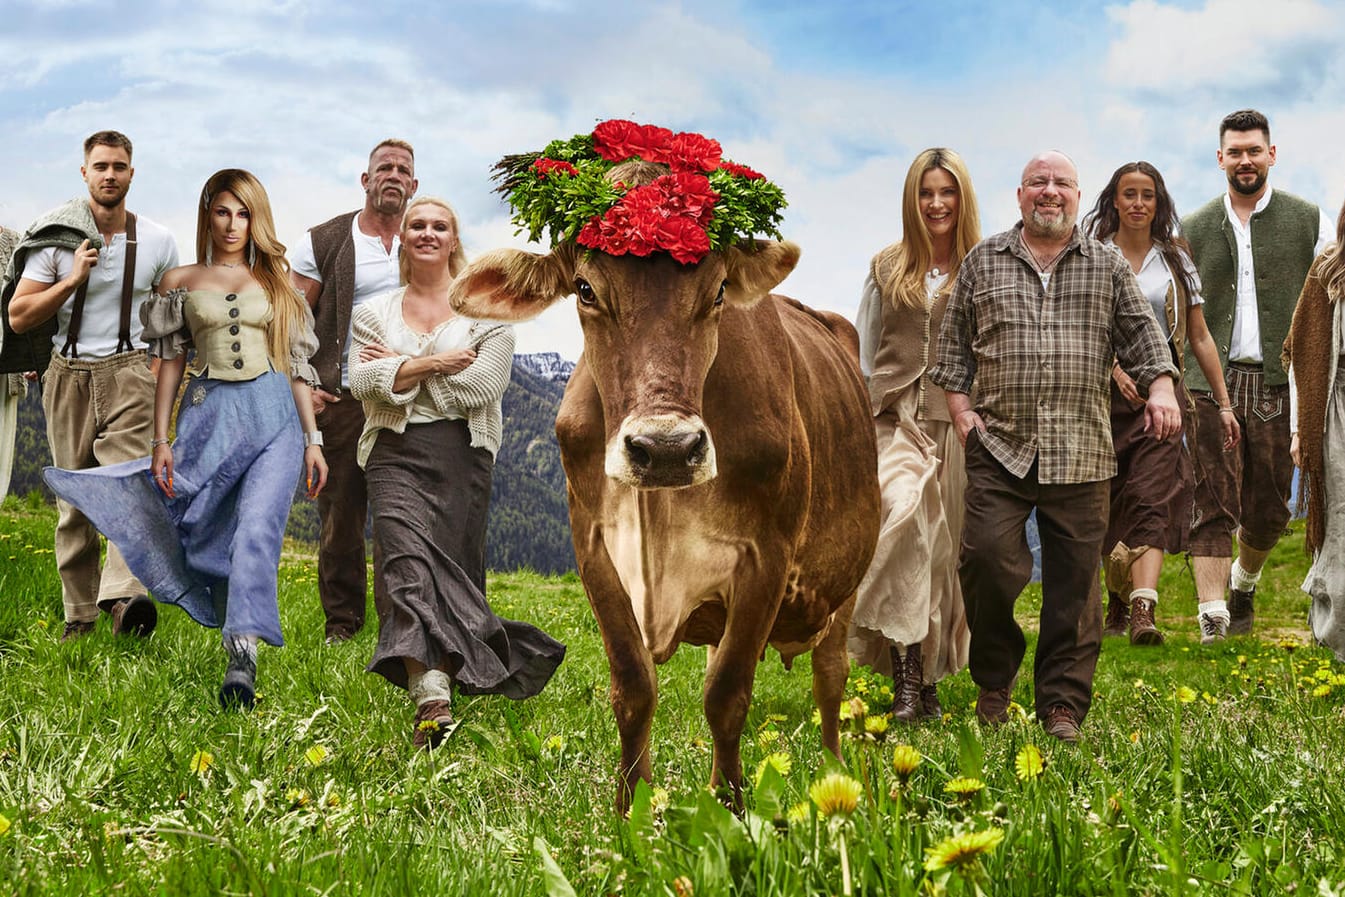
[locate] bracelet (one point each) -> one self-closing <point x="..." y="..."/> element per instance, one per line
<point x="155" y="443"/>
<point x="314" y="438"/>
<point x="1223" y="408"/>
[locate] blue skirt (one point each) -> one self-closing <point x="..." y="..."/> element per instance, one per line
<point x="214" y="550"/>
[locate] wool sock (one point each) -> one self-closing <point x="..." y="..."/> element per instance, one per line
<point x="1242" y="581"/>
<point x="1150" y="594"/>
<point x="1217" y="608"/>
<point x="431" y="685"/>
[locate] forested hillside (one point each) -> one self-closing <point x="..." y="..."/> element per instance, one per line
<point x="529" y="521"/>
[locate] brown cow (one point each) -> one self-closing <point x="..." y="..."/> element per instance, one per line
<point x="722" y="472"/>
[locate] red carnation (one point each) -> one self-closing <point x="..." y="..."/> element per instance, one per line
<point x="683" y="239"/>
<point x="741" y="171"/>
<point x="693" y="152"/>
<point x="617" y="140"/>
<point x="688" y="194"/>
<point x="543" y="167"/>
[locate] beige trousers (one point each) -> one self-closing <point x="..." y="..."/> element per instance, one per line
<point x="11" y="394"/>
<point x="98" y="413"/>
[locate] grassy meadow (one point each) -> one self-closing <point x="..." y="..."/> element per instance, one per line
<point x="1202" y="770"/>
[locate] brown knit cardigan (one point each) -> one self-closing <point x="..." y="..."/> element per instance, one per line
<point x="1309" y="347"/>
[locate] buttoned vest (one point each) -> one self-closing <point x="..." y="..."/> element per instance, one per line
<point x="334" y="252"/>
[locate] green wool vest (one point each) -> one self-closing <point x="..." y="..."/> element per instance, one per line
<point x="1284" y="235"/>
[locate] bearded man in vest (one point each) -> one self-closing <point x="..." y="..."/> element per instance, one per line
<point x="1253" y="247"/>
<point x="341" y="263"/>
<point x="75" y="283"/>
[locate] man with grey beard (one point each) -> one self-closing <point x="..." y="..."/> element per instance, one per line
<point x="1036" y="317"/>
<point x="353" y="257"/>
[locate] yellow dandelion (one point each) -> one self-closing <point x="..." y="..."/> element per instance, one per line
<point x="964" y="787"/>
<point x="333" y="800"/>
<point x="1186" y="694"/>
<point x="1029" y="763"/>
<point x="1338" y="679"/>
<point x="1208" y="698"/>
<point x="861" y="686"/>
<point x="554" y="743"/>
<point x="682" y="886"/>
<point x="1242" y="660"/>
<point x="1323" y="673"/>
<point x="1289" y="644"/>
<point x="835" y="794"/>
<point x="659" y="799"/>
<point x="962" y="849"/>
<point x="855" y="708"/>
<point x="1321" y="691"/>
<point x="875" y="725"/>
<point x="904" y="761"/>
<point x="201" y="761"/>
<point x="315" y="755"/>
<point x="1135" y="737"/>
<point x="779" y="761"/>
<point x="296" y="797"/>
<point x="799" y="813"/>
<point x="1114" y="802"/>
<point x="5" y="825"/>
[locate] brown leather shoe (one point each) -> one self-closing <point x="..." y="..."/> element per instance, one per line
<point x="907" y="678"/>
<point x="992" y="705"/>
<point x="134" y="616"/>
<point x="1142" y="628"/>
<point x="76" y="629"/>
<point x="1061" y="723"/>
<point x="1118" y="616"/>
<point x="434" y="723"/>
<point x="1241" y="615"/>
<point x="929" y="702"/>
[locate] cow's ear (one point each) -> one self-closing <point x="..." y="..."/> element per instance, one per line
<point x="512" y="285"/>
<point x="755" y="270"/>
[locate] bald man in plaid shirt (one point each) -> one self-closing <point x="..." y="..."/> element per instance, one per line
<point x="1037" y="316"/>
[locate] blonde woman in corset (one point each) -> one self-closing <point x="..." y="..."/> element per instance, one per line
<point x="909" y="619"/>
<point x="201" y="521"/>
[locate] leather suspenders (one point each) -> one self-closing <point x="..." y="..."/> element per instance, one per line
<point x="71" y="349"/>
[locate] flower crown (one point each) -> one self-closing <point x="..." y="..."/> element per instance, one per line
<point x="704" y="203"/>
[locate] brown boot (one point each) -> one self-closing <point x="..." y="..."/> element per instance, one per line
<point x="929" y="702"/>
<point x="1118" y="616"/>
<point x="907" y="677"/>
<point x="1142" y="628"/>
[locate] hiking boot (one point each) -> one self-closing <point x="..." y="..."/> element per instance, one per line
<point x="992" y="705"/>
<point x="434" y="723"/>
<point x="76" y="629"/>
<point x="1118" y="616"/>
<point x="1142" y="628"/>
<point x="1213" y="628"/>
<point x="134" y="616"/>
<point x="907" y="678"/>
<point x="929" y="702"/>
<point x="239" y="689"/>
<point x="1061" y="723"/>
<point x="1240" y="612"/>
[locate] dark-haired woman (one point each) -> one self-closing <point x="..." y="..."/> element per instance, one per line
<point x="909" y="615"/>
<point x="1151" y="492"/>
<point x="1314" y="352"/>
<point x="201" y="522"/>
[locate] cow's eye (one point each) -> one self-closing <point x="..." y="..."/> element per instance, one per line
<point x="719" y="300"/>
<point x="584" y="291"/>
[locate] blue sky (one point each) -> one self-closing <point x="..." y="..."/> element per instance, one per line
<point x="829" y="100"/>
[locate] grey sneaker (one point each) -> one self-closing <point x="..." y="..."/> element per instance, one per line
<point x="1213" y="628"/>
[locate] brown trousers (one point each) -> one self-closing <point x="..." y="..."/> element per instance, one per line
<point x="343" y="509"/>
<point x="98" y="413"/>
<point x="1249" y="487"/>
<point x="996" y="565"/>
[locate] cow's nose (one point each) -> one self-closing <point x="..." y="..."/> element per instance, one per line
<point x="666" y="451"/>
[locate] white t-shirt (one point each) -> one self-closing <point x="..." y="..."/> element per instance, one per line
<point x="156" y="253"/>
<point x="1154" y="278"/>
<point x="1245" y="345"/>
<point x="376" y="273"/>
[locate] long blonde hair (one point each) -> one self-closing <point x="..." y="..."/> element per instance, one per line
<point x="265" y="253"/>
<point x="901" y="267"/>
<point x="1332" y="271"/>
<point x="457" y="260"/>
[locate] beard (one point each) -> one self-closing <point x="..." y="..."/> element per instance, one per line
<point x="1247" y="189"/>
<point x="109" y="201"/>
<point x="1048" y="228"/>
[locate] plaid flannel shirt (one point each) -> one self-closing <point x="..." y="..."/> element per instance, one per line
<point x="1040" y="357"/>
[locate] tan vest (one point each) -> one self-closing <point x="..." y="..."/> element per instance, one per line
<point x="910" y="337"/>
<point x="229" y="330"/>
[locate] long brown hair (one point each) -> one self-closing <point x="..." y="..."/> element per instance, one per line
<point x="266" y="256"/>
<point x="905" y="263"/>
<point x="1332" y="271"/>
<point x="1103" y="221"/>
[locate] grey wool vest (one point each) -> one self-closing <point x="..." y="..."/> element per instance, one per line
<point x="1284" y="235"/>
<point x="334" y="252"/>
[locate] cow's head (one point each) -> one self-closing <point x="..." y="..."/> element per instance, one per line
<point x="651" y="332"/>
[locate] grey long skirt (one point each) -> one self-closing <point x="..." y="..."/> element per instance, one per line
<point x="430" y="490"/>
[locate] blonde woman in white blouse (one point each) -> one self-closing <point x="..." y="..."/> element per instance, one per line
<point x="431" y="382"/>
